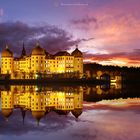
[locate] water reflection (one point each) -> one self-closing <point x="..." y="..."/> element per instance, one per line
<point x="41" y="101"/>
<point x="63" y="100"/>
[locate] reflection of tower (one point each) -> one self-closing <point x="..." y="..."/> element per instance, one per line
<point x="37" y="106"/>
<point x="63" y="102"/>
<point x="23" y="112"/>
<point x="78" y="99"/>
<point x="78" y="60"/>
<point x="21" y="96"/>
<point x="40" y="103"/>
<point x="7" y="103"/>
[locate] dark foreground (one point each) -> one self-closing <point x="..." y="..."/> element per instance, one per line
<point x="52" y="81"/>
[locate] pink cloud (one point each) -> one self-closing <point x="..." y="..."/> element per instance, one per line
<point x="122" y="59"/>
<point x="115" y="27"/>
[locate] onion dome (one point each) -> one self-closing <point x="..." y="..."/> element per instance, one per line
<point x="38" y="115"/>
<point x="76" y="112"/>
<point x="77" y="53"/>
<point x="62" y="53"/>
<point x="38" y="50"/>
<point x="7" y="52"/>
<point x="7" y="112"/>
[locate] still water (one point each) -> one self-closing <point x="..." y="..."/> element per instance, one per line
<point x="57" y="112"/>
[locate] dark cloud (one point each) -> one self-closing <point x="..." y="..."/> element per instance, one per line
<point x="86" y="20"/>
<point x="50" y="37"/>
<point x="134" y="55"/>
<point x="88" y="39"/>
<point x="84" y="23"/>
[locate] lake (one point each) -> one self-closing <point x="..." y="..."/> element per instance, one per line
<point x="89" y="112"/>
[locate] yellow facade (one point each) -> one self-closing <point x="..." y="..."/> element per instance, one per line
<point x="41" y="62"/>
<point x="40" y="102"/>
<point x="7" y="61"/>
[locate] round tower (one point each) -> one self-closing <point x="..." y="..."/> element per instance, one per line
<point x="37" y="106"/>
<point x="6" y="61"/>
<point x="38" y="60"/>
<point x="78" y="61"/>
<point x="7" y="104"/>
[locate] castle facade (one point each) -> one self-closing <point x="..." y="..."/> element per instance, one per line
<point x="41" y="63"/>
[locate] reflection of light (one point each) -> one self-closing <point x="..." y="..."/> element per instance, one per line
<point x="36" y="75"/>
<point x="113" y="81"/>
<point x="0" y="103"/>
<point x="113" y="84"/>
<point x="36" y="88"/>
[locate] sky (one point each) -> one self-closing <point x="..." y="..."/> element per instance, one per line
<point x="106" y="31"/>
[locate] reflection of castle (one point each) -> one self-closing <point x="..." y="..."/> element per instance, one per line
<point x="41" y="63"/>
<point x="40" y="103"/>
<point x="102" y="73"/>
<point x="113" y="88"/>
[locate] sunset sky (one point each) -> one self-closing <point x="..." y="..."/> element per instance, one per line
<point x="106" y="31"/>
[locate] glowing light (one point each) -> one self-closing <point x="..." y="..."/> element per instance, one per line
<point x="113" y="80"/>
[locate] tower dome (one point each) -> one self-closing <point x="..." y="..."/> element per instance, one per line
<point x="38" y="50"/>
<point x="77" y="53"/>
<point x="7" y="52"/>
<point x="76" y="112"/>
<point x="38" y="115"/>
<point x="7" y="112"/>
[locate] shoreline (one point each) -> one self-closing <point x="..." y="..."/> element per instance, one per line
<point x="52" y="81"/>
<point x="64" y="81"/>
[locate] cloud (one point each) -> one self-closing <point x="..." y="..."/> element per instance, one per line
<point x="122" y="58"/>
<point x="50" y="37"/>
<point x="84" y="23"/>
<point x="85" y="20"/>
<point x="88" y="39"/>
<point x="115" y="28"/>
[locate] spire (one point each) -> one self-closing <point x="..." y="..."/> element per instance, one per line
<point x="37" y="43"/>
<point x="23" y="115"/>
<point x="6" y="46"/>
<point x="23" y="53"/>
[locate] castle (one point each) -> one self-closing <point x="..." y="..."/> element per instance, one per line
<point x="41" y="63"/>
